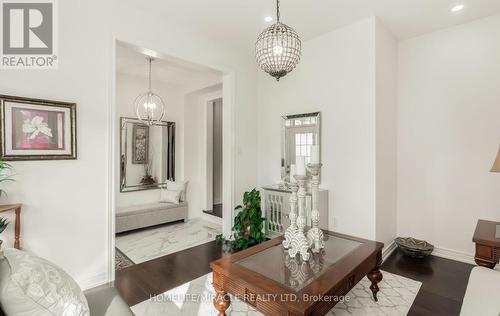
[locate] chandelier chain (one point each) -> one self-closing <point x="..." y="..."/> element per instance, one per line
<point x="150" y="59"/>
<point x="278" y="10"/>
<point x="149" y="107"/>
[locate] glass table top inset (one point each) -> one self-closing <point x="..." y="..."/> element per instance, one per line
<point x="274" y="263"/>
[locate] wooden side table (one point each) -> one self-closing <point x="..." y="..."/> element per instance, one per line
<point x="17" y="233"/>
<point x="487" y="239"/>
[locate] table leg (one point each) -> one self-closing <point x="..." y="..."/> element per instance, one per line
<point x="485" y="256"/>
<point x="485" y="263"/>
<point x="221" y="301"/>
<point x="375" y="276"/>
<point x="17" y="232"/>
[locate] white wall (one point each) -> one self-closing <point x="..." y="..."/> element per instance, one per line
<point x="386" y="134"/>
<point x="128" y="87"/>
<point x="337" y="77"/>
<point x="66" y="203"/>
<point x="448" y="133"/>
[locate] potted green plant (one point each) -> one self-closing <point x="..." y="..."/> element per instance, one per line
<point x="6" y="173"/>
<point x="5" y="176"/>
<point x="148" y="179"/>
<point x="3" y="225"/>
<point x="248" y="224"/>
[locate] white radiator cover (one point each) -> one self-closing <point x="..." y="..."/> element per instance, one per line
<point x="276" y="208"/>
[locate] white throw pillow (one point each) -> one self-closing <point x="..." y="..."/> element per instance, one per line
<point x="178" y="185"/>
<point x="32" y="286"/>
<point x="170" y="196"/>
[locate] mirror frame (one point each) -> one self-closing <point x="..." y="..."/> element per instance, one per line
<point x="123" y="155"/>
<point x="284" y="169"/>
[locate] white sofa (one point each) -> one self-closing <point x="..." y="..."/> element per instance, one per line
<point x="482" y="297"/>
<point x="59" y="292"/>
<point x="145" y="215"/>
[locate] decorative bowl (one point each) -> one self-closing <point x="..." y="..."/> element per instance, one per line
<point x="413" y="247"/>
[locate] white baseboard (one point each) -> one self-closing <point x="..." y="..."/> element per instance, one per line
<point x="454" y="255"/>
<point x="388" y="250"/>
<point x="446" y="253"/>
<point x="94" y="281"/>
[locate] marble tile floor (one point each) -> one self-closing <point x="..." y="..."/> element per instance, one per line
<point x="195" y="298"/>
<point x="147" y="244"/>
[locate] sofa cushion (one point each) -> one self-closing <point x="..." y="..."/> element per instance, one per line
<point x="146" y="208"/>
<point x="177" y="186"/>
<point x="32" y="286"/>
<point x="171" y="196"/>
<point x="4" y="275"/>
<point x="482" y="296"/>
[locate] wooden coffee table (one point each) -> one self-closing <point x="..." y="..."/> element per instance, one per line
<point x="266" y="278"/>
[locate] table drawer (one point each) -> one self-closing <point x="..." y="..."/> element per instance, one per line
<point x="250" y="295"/>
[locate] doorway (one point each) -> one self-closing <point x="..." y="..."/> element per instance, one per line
<point x="214" y="153"/>
<point x="177" y="81"/>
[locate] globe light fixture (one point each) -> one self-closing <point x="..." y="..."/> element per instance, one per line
<point x="149" y="107"/>
<point x="278" y="48"/>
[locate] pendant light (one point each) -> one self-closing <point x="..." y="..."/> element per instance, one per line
<point x="278" y="48"/>
<point x="149" y="107"/>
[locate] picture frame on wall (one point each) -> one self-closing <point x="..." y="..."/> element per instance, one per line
<point x="140" y="144"/>
<point x="35" y="129"/>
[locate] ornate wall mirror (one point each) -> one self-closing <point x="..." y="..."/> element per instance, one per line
<point x="147" y="154"/>
<point x="299" y="133"/>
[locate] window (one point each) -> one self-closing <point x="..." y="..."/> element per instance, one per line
<point x="303" y="143"/>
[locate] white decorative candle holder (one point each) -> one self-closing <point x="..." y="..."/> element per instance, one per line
<point x="298" y="243"/>
<point x="315" y="235"/>
<point x="292" y="229"/>
<point x="296" y="240"/>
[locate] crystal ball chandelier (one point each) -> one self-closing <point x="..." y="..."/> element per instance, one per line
<point x="278" y="48"/>
<point x="149" y="107"/>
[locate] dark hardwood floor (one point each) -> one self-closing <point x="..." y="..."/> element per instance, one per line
<point x="139" y="282"/>
<point x="215" y="211"/>
<point x="443" y="281"/>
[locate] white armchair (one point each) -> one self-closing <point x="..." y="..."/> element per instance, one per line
<point x="482" y="296"/>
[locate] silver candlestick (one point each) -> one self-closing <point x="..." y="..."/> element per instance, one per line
<point x="315" y="236"/>
<point x="298" y="243"/>
<point x="292" y="229"/>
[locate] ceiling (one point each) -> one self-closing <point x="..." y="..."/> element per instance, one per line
<point x="131" y="60"/>
<point x="238" y="22"/>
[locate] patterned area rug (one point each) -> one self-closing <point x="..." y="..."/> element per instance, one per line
<point x="121" y="260"/>
<point x="144" y="245"/>
<point x="195" y="299"/>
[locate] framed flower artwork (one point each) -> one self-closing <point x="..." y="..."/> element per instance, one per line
<point x="140" y="144"/>
<point x="33" y="129"/>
